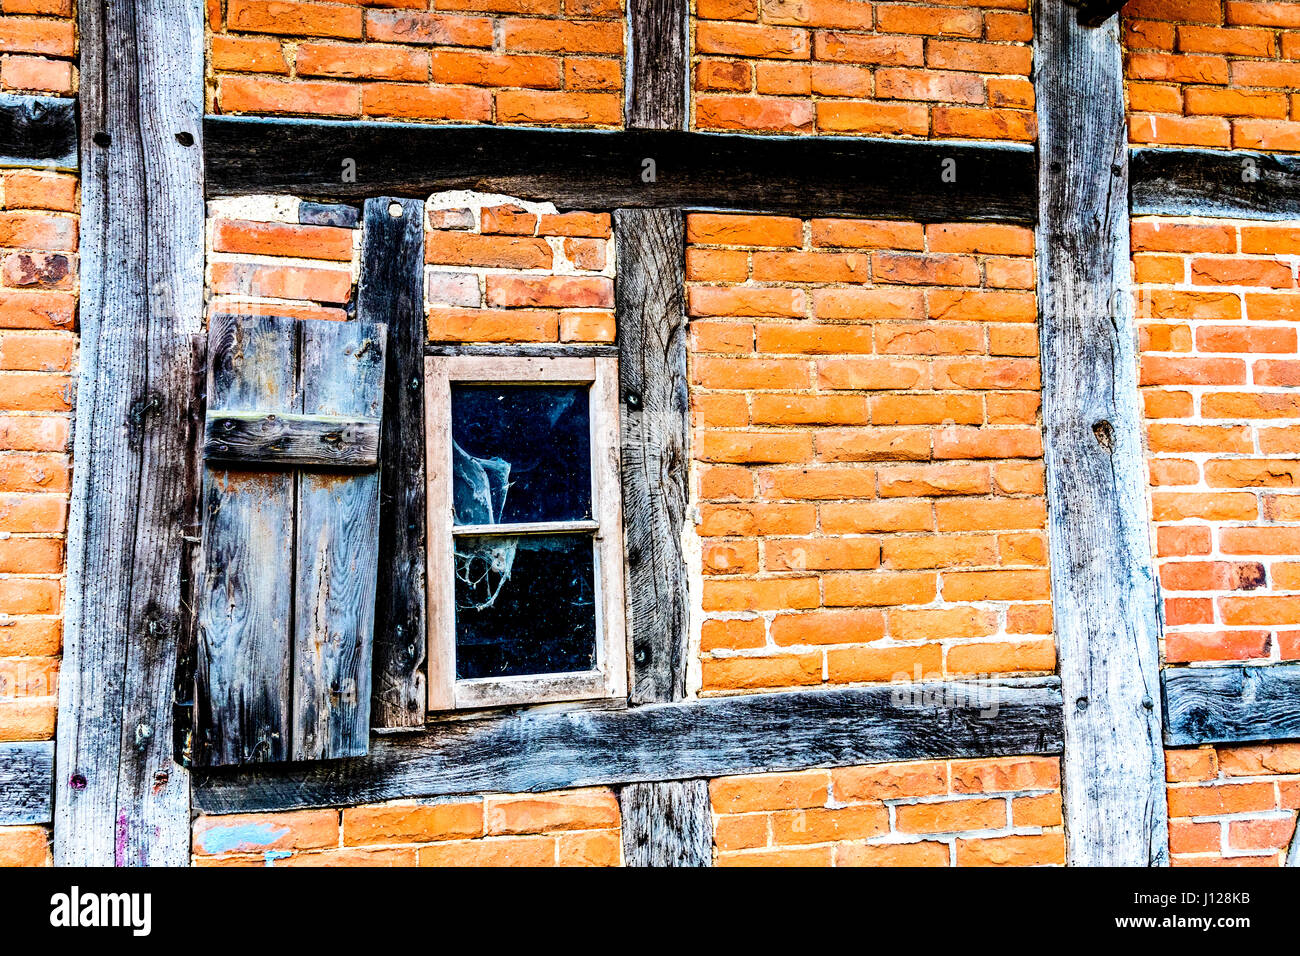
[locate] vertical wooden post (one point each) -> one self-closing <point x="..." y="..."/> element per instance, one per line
<point x="119" y="798"/>
<point x="392" y="291"/>
<point x="664" y="824"/>
<point x="1104" y="592"/>
<point x="659" y="64"/>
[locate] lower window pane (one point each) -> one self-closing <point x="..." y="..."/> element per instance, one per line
<point x="525" y="605"/>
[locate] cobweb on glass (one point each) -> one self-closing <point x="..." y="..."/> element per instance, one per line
<point x="483" y="565"/>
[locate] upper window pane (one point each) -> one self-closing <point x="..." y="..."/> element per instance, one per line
<point x="520" y="453"/>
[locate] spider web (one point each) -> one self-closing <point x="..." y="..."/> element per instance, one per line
<point x="483" y="565"/>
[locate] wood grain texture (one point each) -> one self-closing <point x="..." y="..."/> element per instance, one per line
<point x="341" y="373"/>
<point x="119" y="797"/>
<point x="38" y="131"/>
<point x="392" y="292"/>
<point x="658" y="64"/>
<point x="1232" y="184"/>
<point x="1104" y="593"/>
<point x="26" y="782"/>
<point x="667" y="824"/>
<point x="651" y="316"/>
<point x="697" y="739"/>
<point x="243" y="689"/>
<point x="1231" y="703"/>
<point x="592" y="169"/>
<point x="291" y="441"/>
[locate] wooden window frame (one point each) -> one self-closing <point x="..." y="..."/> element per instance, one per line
<point x="609" y="678"/>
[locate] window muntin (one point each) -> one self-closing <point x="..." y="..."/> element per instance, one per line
<point x="525" y="531"/>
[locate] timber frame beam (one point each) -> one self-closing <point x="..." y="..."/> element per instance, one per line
<point x="118" y="796"/>
<point x="1104" y="594"/>
<point x="687" y="740"/>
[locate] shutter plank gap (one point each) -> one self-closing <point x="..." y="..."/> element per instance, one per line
<point x="392" y="292"/>
<point x="243" y="684"/>
<point x="337" y="554"/>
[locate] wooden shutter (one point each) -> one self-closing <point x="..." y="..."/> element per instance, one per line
<point x="290" y="539"/>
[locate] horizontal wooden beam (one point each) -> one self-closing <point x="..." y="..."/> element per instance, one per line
<point x="26" y="782"/>
<point x="38" y="131"/>
<point x="1231" y="704"/>
<point x="291" y="441"/>
<point x="1093" y="13"/>
<point x="694" y="739"/>
<point x="589" y="169"/>
<point x="1220" y="183"/>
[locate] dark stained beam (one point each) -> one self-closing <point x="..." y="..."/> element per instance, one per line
<point x="1231" y="704"/>
<point x="38" y="131"/>
<point x="586" y="169"/>
<point x="693" y="740"/>
<point x="1229" y="184"/>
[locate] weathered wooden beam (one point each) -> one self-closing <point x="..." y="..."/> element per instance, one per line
<point x="26" y="782"/>
<point x="119" y="797"/>
<point x="38" y="131"/>
<point x="1231" y="704"/>
<point x="507" y="350"/>
<point x="392" y="291"/>
<point x="1229" y="184"/>
<point x="658" y="64"/>
<point x="650" y="310"/>
<point x="592" y="169"/>
<point x="666" y="824"/>
<point x="1104" y="594"/>
<point x="690" y="740"/>
<point x="291" y="441"/>
<point x="1093" y="13"/>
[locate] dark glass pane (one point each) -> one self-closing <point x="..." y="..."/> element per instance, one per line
<point x="520" y="453"/>
<point x="525" y="605"/>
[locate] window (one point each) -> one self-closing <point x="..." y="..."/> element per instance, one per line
<point x="525" y="531"/>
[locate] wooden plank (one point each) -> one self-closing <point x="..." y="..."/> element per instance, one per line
<point x="696" y="739"/>
<point x="291" y="441"/>
<point x="1104" y="593"/>
<point x="1231" y="704"/>
<point x="667" y="824"/>
<point x="593" y="169"/>
<point x="341" y="373"/>
<point x="243" y="687"/>
<point x="525" y="351"/>
<point x="26" y="782"/>
<point x="392" y="292"/>
<point x="119" y="798"/>
<point x="658" y="64"/>
<point x="651" y="317"/>
<point x="1232" y="184"/>
<point x="191" y="560"/>
<point x="38" y="131"/>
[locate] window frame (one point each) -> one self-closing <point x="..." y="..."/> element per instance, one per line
<point x="610" y="678"/>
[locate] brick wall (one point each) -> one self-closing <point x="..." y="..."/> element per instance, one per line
<point x="263" y="260"/>
<point x="501" y="270"/>
<point x="467" y="61"/>
<point x="1232" y="806"/>
<point x="38" y="283"/>
<point x="914" y="69"/>
<point x="567" y="828"/>
<point x="1004" y="812"/>
<point x="37" y="47"/>
<point x="1217" y="307"/>
<point x="1216" y="73"/>
<point x="867" y="451"/>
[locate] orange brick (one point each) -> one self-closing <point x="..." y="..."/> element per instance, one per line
<point x="412" y="823"/>
<point x="951" y="816"/>
<point x="1045" y="849"/>
<point x="259" y="832"/>
<point x="770" y="791"/>
<point x="590" y="809"/>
